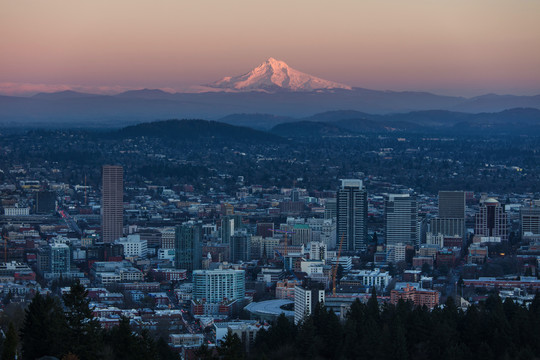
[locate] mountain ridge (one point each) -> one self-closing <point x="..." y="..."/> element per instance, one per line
<point x="81" y="109"/>
<point x="196" y="129"/>
<point x="518" y="121"/>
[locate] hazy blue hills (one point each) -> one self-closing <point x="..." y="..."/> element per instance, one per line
<point x="496" y="103"/>
<point x="256" y="121"/>
<point x="338" y="115"/>
<point x="146" y="94"/>
<point x="89" y="110"/>
<point x="67" y="94"/>
<point x="192" y="130"/>
<point x="309" y="129"/>
<point x="518" y="121"/>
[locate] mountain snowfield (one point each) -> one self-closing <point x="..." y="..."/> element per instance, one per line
<point x="275" y="75"/>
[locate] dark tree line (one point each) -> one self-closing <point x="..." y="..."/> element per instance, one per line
<point x="491" y="330"/>
<point x="67" y="329"/>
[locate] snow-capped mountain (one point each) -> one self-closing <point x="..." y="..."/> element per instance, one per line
<point x="275" y="75"/>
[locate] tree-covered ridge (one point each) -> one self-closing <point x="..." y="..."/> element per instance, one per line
<point x="491" y="330"/>
<point x="196" y="129"/>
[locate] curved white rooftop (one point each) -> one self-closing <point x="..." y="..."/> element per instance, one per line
<point x="270" y="307"/>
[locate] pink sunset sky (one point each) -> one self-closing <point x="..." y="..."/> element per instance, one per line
<point x="463" y="47"/>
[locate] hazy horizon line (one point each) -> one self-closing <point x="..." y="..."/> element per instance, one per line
<point x="25" y="89"/>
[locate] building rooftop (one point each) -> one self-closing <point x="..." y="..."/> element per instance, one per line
<point x="270" y="307"/>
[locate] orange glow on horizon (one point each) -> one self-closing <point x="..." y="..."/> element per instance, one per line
<point x="462" y="46"/>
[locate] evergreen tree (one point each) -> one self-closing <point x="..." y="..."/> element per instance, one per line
<point x="164" y="351"/>
<point x="231" y="347"/>
<point x="328" y="329"/>
<point x="124" y="343"/>
<point x="204" y="353"/>
<point x="399" y="345"/>
<point x="44" y="328"/>
<point x="484" y="352"/>
<point x="148" y="345"/>
<point x="351" y="345"/>
<point x="9" y="350"/>
<point x="84" y="335"/>
<point x="372" y="308"/>
<point x="278" y="342"/>
<point x="308" y="343"/>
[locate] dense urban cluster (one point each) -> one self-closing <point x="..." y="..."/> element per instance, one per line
<point x="375" y="247"/>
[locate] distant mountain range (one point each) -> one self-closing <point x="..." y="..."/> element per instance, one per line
<point x="74" y="109"/>
<point x="342" y="124"/>
<point x="271" y="88"/>
<point x="345" y="123"/>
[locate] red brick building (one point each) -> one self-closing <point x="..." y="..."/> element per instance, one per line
<point x="419" y="297"/>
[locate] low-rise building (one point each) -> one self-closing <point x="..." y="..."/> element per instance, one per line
<point x="285" y="288"/>
<point x="246" y="330"/>
<point x="419" y="297"/>
<point x="379" y="279"/>
<point x="134" y="246"/>
<point x="186" y="340"/>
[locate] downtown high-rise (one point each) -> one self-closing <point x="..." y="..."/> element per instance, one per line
<point x="112" y="203"/>
<point x="451" y="219"/>
<point x="351" y="206"/>
<point x="188" y="242"/>
<point x="491" y="220"/>
<point x="401" y="220"/>
<point x="214" y="286"/>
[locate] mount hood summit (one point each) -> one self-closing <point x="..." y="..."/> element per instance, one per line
<point x="274" y="75"/>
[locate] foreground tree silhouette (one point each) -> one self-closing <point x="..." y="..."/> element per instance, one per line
<point x="44" y="328"/>
<point x="73" y="333"/>
<point x="84" y="335"/>
<point x="231" y="347"/>
<point x="204" y="353"/>
<point x="126" y="344"/>
<point x="10" y="345"/>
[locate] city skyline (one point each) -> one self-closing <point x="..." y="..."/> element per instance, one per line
<point x="462" y="48"/>
<point x="297" y="179"/>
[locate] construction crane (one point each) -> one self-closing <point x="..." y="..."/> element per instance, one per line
<point x="283" y="259"/>
<point x="286" y="232"/>
<point x="336" y="265"/>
